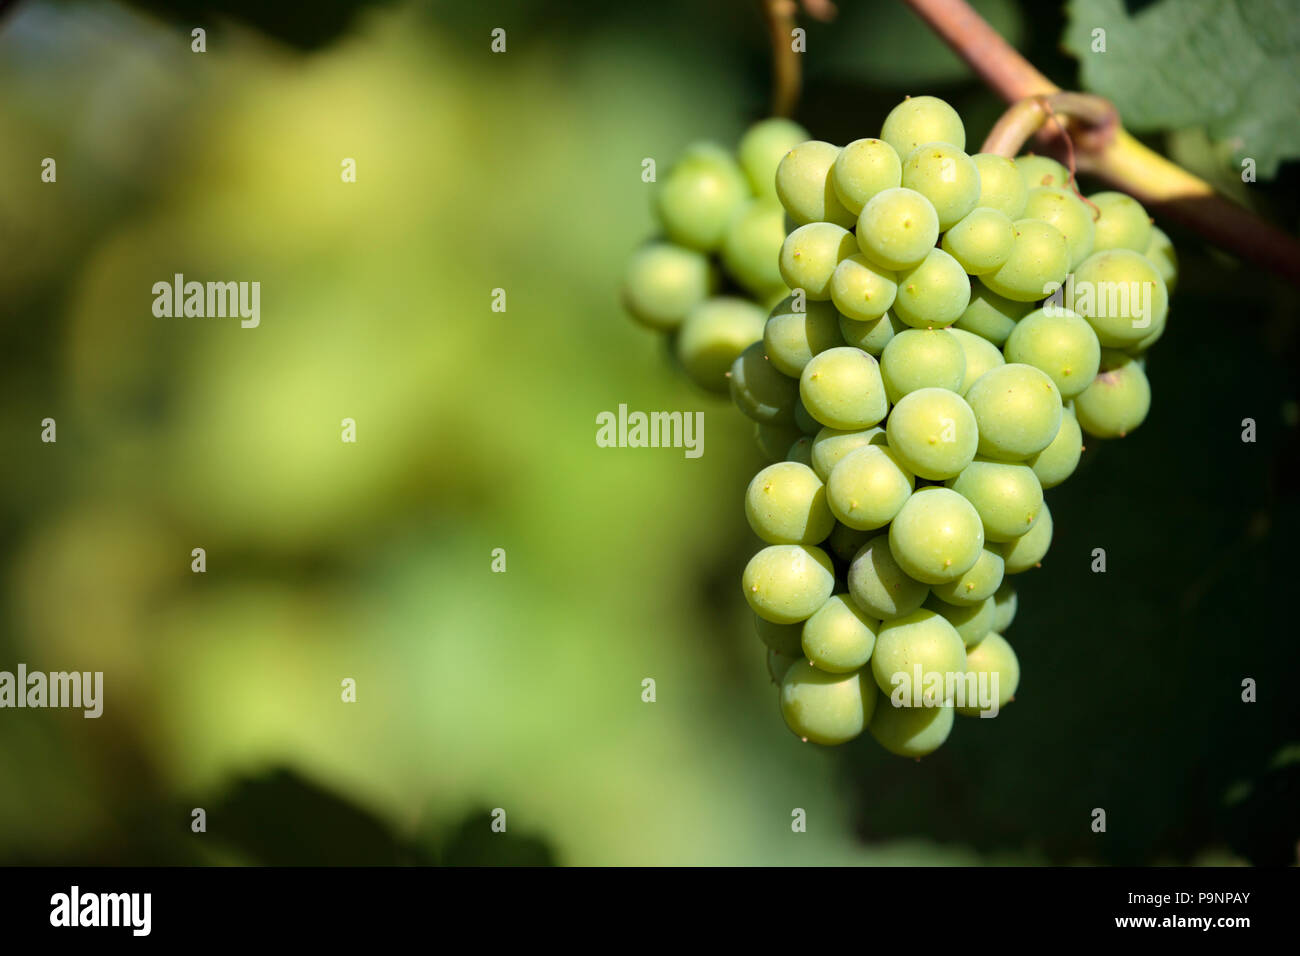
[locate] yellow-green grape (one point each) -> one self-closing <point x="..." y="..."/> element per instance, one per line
<point x="972" y="622"/>
<point x="947" y="177"/>
<point x="1160" y="253"/>
<point x="993" y="657"/>
<point x="1041" y="171"/>
<point x="934" y="293"/>
<point x="760" y="391"/>
<point x="991" y="316"/>
<point x="1018" y="410"/>
<point x="862" y="169"/>
<point x="879" y="586"/>
<point x="778" y="664"/>
<point x="803" y="421"/>
<point x="936" y="536"/>
<point x="803" y="184"/>
<point x="922" y="639"/>
<point x="1067" y="212"/>
<point x="801" y="451"/>
<point x="897" y="228"/>
<point x="911" y="731"/>
<point x="791" y="338"/>
<point x="831" y="446"/>
<point x="1122" y="222"/>
<point x="785" y="639"/>
<point x="919" y="120"/>
<point x="842" y="388"/>
<point x="1006" y="602"/>
<point x="786" y="583"/>
<point x="663" y="282"/>
<point x="979" y="353"/>
<point x="714" y="334"/>
<point x="752" y="245"/>
<point x="825" y="708"/>
<point x="1118" y="399"/>
<point x="1027" y="551"/>
<point x="1121" y="295"/>
<point x="977" y="585"/>
<point x="1060" y="343"/>
<point x="868" y="487"/>
<point x="845" y="542"/>
<point x="1158" y="323"/>
<point x="1039" y="261"/>
<point x="1007" y="496"/>
<point x="701" y="194"/>
<point x="774" y="441"/>
<point x="862" y="290"/>
<point x="871" y="337"/>
<point x="1001" y="185"/>
<point x="810" y="254"/>
<point x="786" y="504"/>
<point x="934" y="433"/>
<point x="1058" y="460"/>
<point x="981" y="241"/>
<point x="922" y="358"/>
<point x="763" y="147"/>
<point x="839" y="637"/>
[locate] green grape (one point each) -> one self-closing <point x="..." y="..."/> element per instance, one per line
<point x="1006" y="603"/>
<point x="1118" y="399"/>
<point x="994" y="656"/>
<point x="897" y="228"/>
<point x="824" y="708"/>
<point x="1039" y="261"/>
<point x="934" y="293"/>
<point x="922" y="639"/>
<point x="919" y="120"/>
<point x="774" y="441"/>
<point x="991" y="316"/>
<point x="663" y="282"/>
<point x="867" y="487"/>
<point x="862" y="291"/>
<point x="832" y="445"/>
<point x="1007" y="496"/>
<point x="1056" y="341"/>
<point x="922" y="358"/>
<point x="1160" y="253"/>
<point x="785" y="639"/>
<point x="975" y="586"/>
<point x="810" y="254"/>
<point x="1158" y="323"/>
<point x="842" y="388"/>
<point x="1066" y="211"/>
<point x="700" y="196"/>
<point x="1058" y="460"/>
<point x="1018" y="410"/>
<point x="934" y="433"/>
<point x="778" y="664"/>
<point x="803" y="421"/>
<point x="711" y="339"/>
<point x="845" y="542"/>
<point x="803" y="184"/>
<point x="981" y="241"/>
<point x="947" y="177"/>
<point x="801" y="451"/>
<point x="791" y="337"/>
<point x="760" y="391"/>
<point x="1122" y="223"/>
<point x="774" y="299"/>
<point x="871" y="337"/>
<point x="1121" y="295"/>
<point x="937" y="536"/>
<point x="1027" y="551"/>
<point x="752" y="245"/>
<point x="786" y="583"/>
<point x="839" y="638"/>
<point x="763" y="147"/>
<point x="1001" y="185"/>
<point x="862" y="169"/>
<point x="911" y="731"/>
<point x="979" y="354"/>
<point x="786" y="504"/>
<point x="1041" y="171"/>
<point x="972" y="622"/>
<point x="879" y="586"/>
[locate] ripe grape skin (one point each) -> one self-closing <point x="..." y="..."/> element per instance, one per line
<point x="1118" y="399"/>
<point x="778" y="664"/>
<point x="786" y="583"/>
<point x="871" y="337"/>
<point x="845" y="542"/>
<point x="713" y="335"/>
<point x="868" y="487"/>
<point x="760" y="391"/>
<point x="879" y="586"/>
<point x="922" y="358"/>
<point x="934" y="293"/>
<point x="972" y="622"/>
<point x="947" y="177"/>
<point x="981" y="241"/>
<point x="922" y="637"/>
<point x="842" y="388"/>
<point x="752" y="244"/>
<point x="1018" y="410"/>
<point x="839" y="638"/>
<point x="1021" y="554"/>
<point x="665" y="281"/>
<point x="801" y="451"/>
<point x="785" y="639"/>
<point x="1007" y="603"/>
<point x="1006" y="495"/>
<point x="991" y="316"/>
<point x="1041" y="171"/>
<point x="810" y="254"/>
<point x="791" y="338"/>
<point x="1001" y="185"/>
<point x="763" y="147"/>
<point x="937" y="536"/>
<point x="911" y="731"/>
<point x="1160" y="253"/>
<point x="774" y="441"/>
<point x="1123" y="223"/>
<point x="994" y="654"/>
<point x="975" y="586"/>
<point x="934" y="433"/>
<point x="979" y="353"/>
<point x="803" y="184"/>
<point x="919" y="120"/>
<point x="1058" y="460"/>
<point x="862" y="290"/>
<point x="785" y="503"/>
<point x="897" y="228"/>
<point x="1066" y="211"/>
<point x="832" y="445"/>
<point x="1118" y="270"/>
<point x="862" y="169"/>
<point x="1039" y="261"/>
<point x="824" y="708"/>
<point x="699" y="197"/>
<point x="1060" y="343"/>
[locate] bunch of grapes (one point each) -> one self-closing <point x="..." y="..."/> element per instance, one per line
<point x="916" y="395"/>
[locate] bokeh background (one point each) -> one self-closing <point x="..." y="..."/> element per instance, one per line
<point x="476" y="431"/>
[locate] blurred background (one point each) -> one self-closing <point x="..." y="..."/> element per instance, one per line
<point x="475" y="431"/>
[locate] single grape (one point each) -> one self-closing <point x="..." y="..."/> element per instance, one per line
<point x="786" y="504"/>
<point x="868" y="487"/>
<point x="972" y="622"/>
<point x="862" y="169"/>
<point x="946" y="176"/>
<point x="810" y="254"/>
<point x="845" y="542"/>
<point x="778" y="664"/>
<point x="922" y="358"/>
<point x="839" y="638"/>
<point x="831" y="446"/>
<point x="975" y="586"/>
<point x="1059" y="342"/>
<point x="774" y="441"/>
<point x="700" y="196"/>
<point x="1018" y="410"/>
<point x="871" y="337"/>
<point x="981" y="242"/>
<point x="842" y="388"/>
<point x="1121" y="295"/>
<point x="1160" y="253"/>
<point x="934" y="293"/>
<point x="711" y="339"/>
<point x="760" y="391"/>
<point x="752" y="246"/>
<point x="936" y="536"/>
<point x="803" y="184"/>
<point x="922" y="639"/>
<point x="763" y="147"/>
<point x="897" y="228"/>
<point x="991" y="316"/>
<point x="1007" y="496"/>
<point x="826" y="708"/>
<point x="1041" y="171"/>
<point x="1027" y="551"/>
<point x="879" y="586"/>
<point x="1039" y="261"/>
<point x="1118" y="399"/>
<point x="804" y="421"/>
<point x="979" y="354"/>
<point x="919" y="120"/>
<point x="663" y="282"/>
<point x="1006" y="603"/>
<point x="911" y="731"/>
<point x="862" y="291"/>
<point x="791" y="338"/>
<point x="1122" y="223"/>
<point x="801" y="451"/>
<point x="934" y="433"/>
<point x="994" y="658"/>
<point x="1001" y="185"/>
<point x="1058" y="460"/>
<point x="786" y="583"/>
<point x="1066" y="211"/>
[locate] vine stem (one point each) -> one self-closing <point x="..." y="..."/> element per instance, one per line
<point x="786" y="74"/>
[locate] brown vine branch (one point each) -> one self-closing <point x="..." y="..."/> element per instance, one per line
<point x="787" y="79"/>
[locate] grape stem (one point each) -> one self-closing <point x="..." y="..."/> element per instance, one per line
<point x="787" y="73"/>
